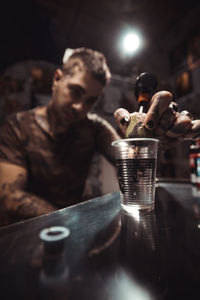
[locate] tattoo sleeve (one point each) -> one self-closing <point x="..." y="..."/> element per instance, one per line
<point x="16" y="204"/>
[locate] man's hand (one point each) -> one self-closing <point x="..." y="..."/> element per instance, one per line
<point x="162" y="120"/>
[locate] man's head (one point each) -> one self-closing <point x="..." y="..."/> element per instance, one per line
<point x="78" y="85"/>
<point x="88" y="60"/>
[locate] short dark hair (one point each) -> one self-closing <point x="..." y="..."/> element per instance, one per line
<point x="92" y="61"/>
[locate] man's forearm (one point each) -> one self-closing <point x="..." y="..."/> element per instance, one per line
<point x="23" y="205"/>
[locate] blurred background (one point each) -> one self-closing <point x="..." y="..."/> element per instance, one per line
<point x="161" y="37"/>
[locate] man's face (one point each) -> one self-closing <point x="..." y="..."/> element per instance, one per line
<point x="74" y="96"/>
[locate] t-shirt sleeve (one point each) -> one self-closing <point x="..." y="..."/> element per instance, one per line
<point x="106" y="134"/>
<point x="11" y="143"/>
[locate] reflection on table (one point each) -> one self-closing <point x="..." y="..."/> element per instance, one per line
<point x="109" y="253"/>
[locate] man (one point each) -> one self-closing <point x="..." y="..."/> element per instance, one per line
<point x="45" y="153"/>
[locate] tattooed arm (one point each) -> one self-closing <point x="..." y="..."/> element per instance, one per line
<point x="15" y="203"/>
<point x="105" y="135"/>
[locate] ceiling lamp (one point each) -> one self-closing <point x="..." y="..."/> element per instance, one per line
<point x="131" y="42"/>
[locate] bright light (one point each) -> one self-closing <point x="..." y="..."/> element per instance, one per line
<point x="131" y="42"/>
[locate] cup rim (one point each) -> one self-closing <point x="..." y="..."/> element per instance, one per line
<point x="116" y="142"/>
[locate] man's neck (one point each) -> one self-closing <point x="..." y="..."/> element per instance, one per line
<point x="55" y="127"/>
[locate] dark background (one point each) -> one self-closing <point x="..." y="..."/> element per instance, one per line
<point x="43" y="29"/>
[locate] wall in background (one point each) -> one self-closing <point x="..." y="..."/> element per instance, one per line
<point x="176" y="63"/>
<point x="182" y="48"/>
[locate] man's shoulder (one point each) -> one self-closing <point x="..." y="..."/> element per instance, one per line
<point x="102" y="126"/>
<point x="98" y="120"/>
<point x="92" y="117"/>
<point x="25" y="115"/>
<point x="20" y="115"/>
<point x="20" y="121"/>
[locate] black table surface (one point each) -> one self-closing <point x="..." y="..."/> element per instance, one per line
<point x="109" y="254"/>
